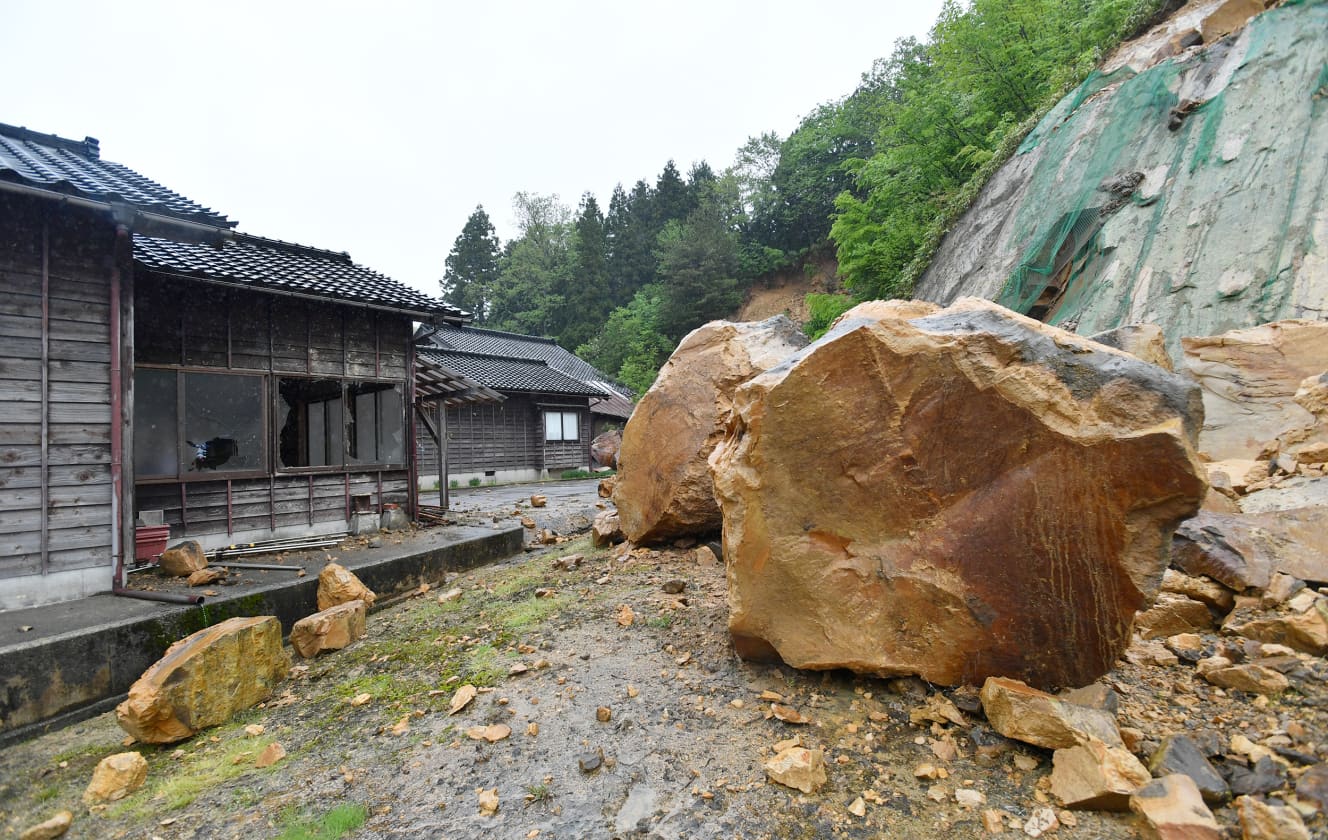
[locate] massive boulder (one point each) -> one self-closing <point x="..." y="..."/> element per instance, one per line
<point x="958" y="496"/>
<point x="204" y="679"/>
<point x="1250" y="379"/>
<point x="664" y="488"/>
<point x="604" y="448"/>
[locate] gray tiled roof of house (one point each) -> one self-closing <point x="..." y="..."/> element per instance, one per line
<point x="75" y="167"/>
<point x="269" y="264"/>
<point x="504" y="373"/>
<point x="515" y="346"/>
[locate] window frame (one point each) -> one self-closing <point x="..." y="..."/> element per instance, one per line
<point x="562" y="422"/>
<point x="277" y="406"/>
<point x="185" y="476"/>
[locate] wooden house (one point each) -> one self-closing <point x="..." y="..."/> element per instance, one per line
<point x="153" y="359"/>
<point x="553" y="405"/>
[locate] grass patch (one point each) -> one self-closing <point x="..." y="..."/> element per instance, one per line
<point x="338" y="822"/>
<point x="47" y="794"/>
<point x="181" y="781"/>
<point x="523" y="614"/>
<point x="483" y="666"/>
<point x="660" y="622"/>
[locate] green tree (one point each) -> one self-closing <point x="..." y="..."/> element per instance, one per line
<point x="536" y="268"/>
<point x="471" y="268"/>
<point x="698" y="263"/>
<point x="586" y="300"/>
<point x="630" y="346"/>
<point x="630" y="232"/>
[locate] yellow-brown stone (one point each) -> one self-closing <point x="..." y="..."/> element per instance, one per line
<point x="204" y="679"/>
<point x="183" y="559"/>
<point x="116" y="777"/>
<point x="968" y="494"/>
<point x="664" y="489"/>
<point x="330" y="629"/>
<point x="339" y="585"/>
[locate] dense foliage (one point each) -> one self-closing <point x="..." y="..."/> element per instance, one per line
<point x="879" y="173"/>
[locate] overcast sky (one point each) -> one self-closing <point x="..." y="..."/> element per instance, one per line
<point x="376" y="128"/>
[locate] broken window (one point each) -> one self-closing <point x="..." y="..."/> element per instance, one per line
<point x="331" y="423"/>
<point x="188" y="424"/>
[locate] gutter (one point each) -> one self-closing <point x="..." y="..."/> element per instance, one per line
<point x="141" y="221"/>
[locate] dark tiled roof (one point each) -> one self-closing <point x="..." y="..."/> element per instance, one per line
<point x="613" y="406"/>
<point x="507" y="374"/>
<point x="75" y="167"/>
<point x="268" y="264"/>
<point x="515" y="346"/>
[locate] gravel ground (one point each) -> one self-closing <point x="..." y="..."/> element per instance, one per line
<point x="679" y="754"/>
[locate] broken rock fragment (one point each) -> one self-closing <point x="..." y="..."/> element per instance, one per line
<point x="183" y="559"/>
<point x="606" y="530"/>
<point x="1095" y="776"/>
<point x="664" y="488"/>
<point x="798" y="768"/>
<point x="979" y="458"/>
<point x="204" y="679"/>
<point x="1262" y="821"/>
<point x="339" y="585"/>
<point x="1250" y="378"/>
<point x="49" y="829"/>
<point x="116" y="777"/>
<point x="1172" y="809"/>
<point x="1026" y="714"/>
<point x="331" y="629"/>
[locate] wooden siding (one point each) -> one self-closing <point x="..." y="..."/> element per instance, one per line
<point x="55" y="416"/>
<point x="505" y="436"/>
<point x="184" y="322"/>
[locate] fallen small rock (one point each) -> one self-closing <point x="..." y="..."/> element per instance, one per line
<point x="488" y="800"/>
<point x="50" y="829"/>
<point x="115" y="777"/>
<point x="183" y="559"/>
<point x="1035" y="717"/>
<point x="799" y="768"/>
<point x="1172" y="808"/>
<point x="270" y="755"/>
<point x="331" y="629"/>
<point x="339" y="585"/>
<point x="1095" y="776"/>
<point x="675" y="586"/>
<point x="1261" y="821"/>
<point x="462" y="698"/>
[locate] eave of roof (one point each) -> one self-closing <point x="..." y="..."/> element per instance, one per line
<point x="504" y="373"/>
<point x="286" y="268"/>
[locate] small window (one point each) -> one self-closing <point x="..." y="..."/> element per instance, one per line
<point x="562" y="425"/>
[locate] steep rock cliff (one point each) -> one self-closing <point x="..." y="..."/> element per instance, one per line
<point x="1185" y="183"/>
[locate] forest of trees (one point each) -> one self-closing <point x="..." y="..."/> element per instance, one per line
<point x="877" y="175"/>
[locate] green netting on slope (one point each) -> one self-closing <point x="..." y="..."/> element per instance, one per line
<point x="1141" y="125"/>
<point x="1071" y="188"/>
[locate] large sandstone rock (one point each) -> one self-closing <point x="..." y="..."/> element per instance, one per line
<point x="968" y="494"/>
<point x="883" y="310"/>
<point x="604" y="448"/>
<point x="330" y="629"/>
<point x="664" y="488"/>
<point x="1250" y="378"/>
<point x="1309" y="443"/>
<point x="204" y="679"/>
<point x="115" y="777"/>
<point x="339" y="585"/>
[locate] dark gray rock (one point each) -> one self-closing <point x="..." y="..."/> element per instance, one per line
<point x="1180" y="754"/>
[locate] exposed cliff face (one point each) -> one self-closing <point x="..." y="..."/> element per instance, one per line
<point x="1182" y="185"/>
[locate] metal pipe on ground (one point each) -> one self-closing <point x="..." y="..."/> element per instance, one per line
<point x="261" y="566"/>
<point x="166" y="597"/>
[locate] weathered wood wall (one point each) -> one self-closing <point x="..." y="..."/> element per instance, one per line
<point x="55" y="415"/>
<point x="182" y="322"/>
<point x="502" y="437"/>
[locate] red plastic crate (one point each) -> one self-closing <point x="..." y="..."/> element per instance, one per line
<point x="150" y="541"/>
